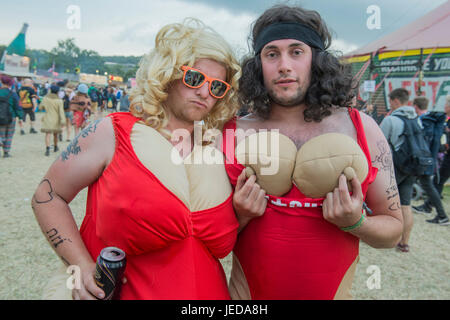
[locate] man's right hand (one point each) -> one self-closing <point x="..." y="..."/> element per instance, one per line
<point x="89" y="289"/>
<point x="248" y="200"/>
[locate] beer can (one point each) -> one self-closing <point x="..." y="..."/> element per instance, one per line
<point x="109" y="270"/>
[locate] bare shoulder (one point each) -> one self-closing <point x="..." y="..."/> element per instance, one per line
<point x="382" y="195"/>
<point x="249" y="121"/>
<point x="84" y="160"/>
<point x="99" y="134"/>
<point x="368" y="122"/>
<point x="373" y="133"/>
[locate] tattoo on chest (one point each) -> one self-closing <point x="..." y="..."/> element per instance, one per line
<point x="73" y="147"/>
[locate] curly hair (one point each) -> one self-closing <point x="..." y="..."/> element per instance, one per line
<point x="331" y="82"/>
<point x="176" y="45"/>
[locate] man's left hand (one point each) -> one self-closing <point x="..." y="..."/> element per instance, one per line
<point x="341" y="208"/>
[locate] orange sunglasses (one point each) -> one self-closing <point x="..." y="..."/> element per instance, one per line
<point x="194" y="78"/>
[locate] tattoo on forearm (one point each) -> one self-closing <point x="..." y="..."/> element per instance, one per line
<point x="55" y="238"/>
<point x="73" y="147"/>
<point x="47" y="192"/>
<point x="65" y="261"/>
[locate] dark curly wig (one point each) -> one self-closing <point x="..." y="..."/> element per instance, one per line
<point x="331" y="83"/>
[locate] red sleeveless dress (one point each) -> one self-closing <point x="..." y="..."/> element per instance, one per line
<point x="172" y="253"/>
<point x="292" y="252"/>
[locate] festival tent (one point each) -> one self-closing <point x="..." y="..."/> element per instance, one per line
<point x="415" y="57"/>
<point x="13" y="61"/>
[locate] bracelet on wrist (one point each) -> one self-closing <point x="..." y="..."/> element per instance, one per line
<point x="356" y="225"/>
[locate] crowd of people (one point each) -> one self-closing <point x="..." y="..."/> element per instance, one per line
<point x="294" y="233"/>
<point x="417" y="137"/>
<point x="65" y="105"/>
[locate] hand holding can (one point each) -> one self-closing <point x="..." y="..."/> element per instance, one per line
<point x="109" y="271"/>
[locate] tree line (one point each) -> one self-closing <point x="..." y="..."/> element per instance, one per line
<point x="67" y="57"/>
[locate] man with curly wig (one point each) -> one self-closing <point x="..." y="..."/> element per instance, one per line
<point x="171" y="215"/>
<point x="297" y="244"/>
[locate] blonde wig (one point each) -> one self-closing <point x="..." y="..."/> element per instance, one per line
<point x="177" y="45"/>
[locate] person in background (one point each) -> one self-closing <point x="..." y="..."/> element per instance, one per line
<point x="80" y="105"/>
<point x="61" y="94"/>
<point x="433" y="123"/>
<point x="392" y="127"/>
<point x="12" y="102"/>
<point x="111" y="100"/>
<point x="28" y="102"/>
<point x="93" y="95"/>
<point x="67" y="112"/>
<point x="420" y="104"/>
<point x="124" y="104"/>
<point x="101" y="101"/>
<point x="53" y="119"/>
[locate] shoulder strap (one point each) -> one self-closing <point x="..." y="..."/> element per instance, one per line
<point x="361" y="135"/>
<point x="228" y="140"/>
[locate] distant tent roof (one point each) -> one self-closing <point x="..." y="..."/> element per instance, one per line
<point x="18" y="46"/>
<point x="429" y="31"/>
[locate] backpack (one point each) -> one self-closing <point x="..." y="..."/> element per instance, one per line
<point x="93" y="95"/>
<point x="66" y="103"/>
<point x="6" y="116"/>
<point x="413" y="157"/>
<point x="433" y="124"/>
<point x="25" y="99"/>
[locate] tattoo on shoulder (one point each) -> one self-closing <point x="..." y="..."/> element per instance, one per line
<point x="384" y="159"/>
<point x="73" y="147"/>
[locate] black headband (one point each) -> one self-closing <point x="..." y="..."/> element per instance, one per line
<point x="288" y="30"/>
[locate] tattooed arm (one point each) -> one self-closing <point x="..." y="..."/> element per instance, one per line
<point x="382" y="229"/>
<point x="79" y="166"/>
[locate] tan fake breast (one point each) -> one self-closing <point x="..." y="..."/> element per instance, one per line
<point x="199" y="181"/>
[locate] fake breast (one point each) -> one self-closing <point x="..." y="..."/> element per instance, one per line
<point x="314" y="168"/>
<point x="199" y="181"/>
<point x="169" y="199"/>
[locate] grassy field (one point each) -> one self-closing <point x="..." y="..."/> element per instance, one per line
<point x="27" y="261"/>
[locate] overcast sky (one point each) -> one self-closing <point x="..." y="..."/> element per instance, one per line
<point x="128" y="27"/>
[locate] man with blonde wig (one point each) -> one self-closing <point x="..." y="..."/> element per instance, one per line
<point x="146" y="194"/>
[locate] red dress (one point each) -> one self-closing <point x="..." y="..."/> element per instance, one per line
<point x="292" y="252"/>
<point x="172" y="253"/>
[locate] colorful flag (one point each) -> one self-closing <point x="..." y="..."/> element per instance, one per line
<point x="52" y="69"/>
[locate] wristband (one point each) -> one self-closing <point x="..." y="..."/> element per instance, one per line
<point x="356" y="225"/>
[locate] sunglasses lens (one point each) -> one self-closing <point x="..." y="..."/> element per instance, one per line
<point x="218" y="88"/>
<point x="194" y="78"/>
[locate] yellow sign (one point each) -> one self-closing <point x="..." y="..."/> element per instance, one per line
<point x="89" y="78"/>
<point x="115" y="78"/>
